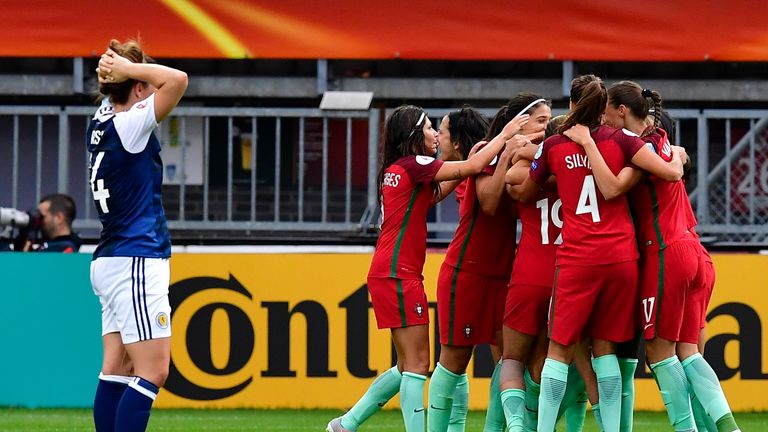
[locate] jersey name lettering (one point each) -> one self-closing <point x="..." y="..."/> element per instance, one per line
<point x="577" y="161"/>
<point x="96" y="136"/>
<point x="391" y="179"/>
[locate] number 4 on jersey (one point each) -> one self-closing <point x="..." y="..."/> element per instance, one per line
<point x="588" y="199"/>
<point x="100" y="194"/>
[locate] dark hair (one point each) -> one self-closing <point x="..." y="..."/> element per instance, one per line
<point x="512" y="109"/>
<point x="61" y="203"/>
<point x="467" y="126"/>
<point x="402" y="136"/>
<point x="577" y="85"/>
<point x="553" y="125"/>
<point x="633" y="96"/>
<point x="119" y="93"/>
<point x="590" y="105"/>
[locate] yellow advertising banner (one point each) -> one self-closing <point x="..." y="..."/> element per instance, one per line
<point x="297" y="331"/>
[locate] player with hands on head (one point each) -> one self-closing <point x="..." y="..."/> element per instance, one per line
<point x="409" y="179"/>
<point x="130" y="272"/>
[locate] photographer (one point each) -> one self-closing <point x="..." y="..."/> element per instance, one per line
<point x="57" y="211"/>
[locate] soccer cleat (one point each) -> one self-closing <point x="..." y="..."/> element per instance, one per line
<point x="335" y="426"/>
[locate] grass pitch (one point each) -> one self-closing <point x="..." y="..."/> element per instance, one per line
<point x="18" y="419"/>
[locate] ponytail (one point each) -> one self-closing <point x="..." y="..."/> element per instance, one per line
<point x="589" y="108"/>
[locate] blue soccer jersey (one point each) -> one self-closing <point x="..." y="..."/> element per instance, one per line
<point x="126" y="178"/>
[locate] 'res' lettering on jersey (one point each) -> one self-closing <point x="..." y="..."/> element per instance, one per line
<point x="126" y="175"/>
<point x="595" y="231"/>
<point x="663" y="213"/>
<point x="407" y="193"/>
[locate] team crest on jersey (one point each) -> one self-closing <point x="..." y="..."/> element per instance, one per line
<point x="424" y="160"/>
<point x="467" y="331"/>
<point x="419" y="309"/>
<point x="162" y="320"/>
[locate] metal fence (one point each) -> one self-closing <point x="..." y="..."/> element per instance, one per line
<point x="247" y="171"/>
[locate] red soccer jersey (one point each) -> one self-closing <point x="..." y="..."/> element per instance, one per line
<point x="542" y="221"/>
<point x="406" y="196"/>
<point x="662" y="210"/>
<point x="461" y="190"/>
<point x="483" y="244"/>
<point x="595" y="231"/>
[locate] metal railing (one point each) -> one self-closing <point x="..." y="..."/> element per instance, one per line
<point x="280" y="170"/>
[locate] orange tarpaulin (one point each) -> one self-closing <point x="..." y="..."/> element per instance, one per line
<point x="655" y="30"/>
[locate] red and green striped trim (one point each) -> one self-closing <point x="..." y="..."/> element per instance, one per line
<point x="403" y="227"/>
<point x="662" y="246"/>
<point x="460" y="260"/>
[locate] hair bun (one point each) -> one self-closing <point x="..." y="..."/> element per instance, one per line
<point x="646" y="93"/>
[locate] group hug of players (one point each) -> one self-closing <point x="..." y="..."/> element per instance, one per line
<point x="608" y="254"/>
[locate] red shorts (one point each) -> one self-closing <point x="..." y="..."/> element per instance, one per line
<point x="704" y="285"/>
<point x="527" y="307"/>
<point x="595" y="301"/>
<point x="398" y="302"/>
<point x="667" y="291"/>
<point x="470" y="307"/>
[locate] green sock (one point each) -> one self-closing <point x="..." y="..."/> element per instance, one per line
<point x="513" y="401"/>
<point x="574" y="403"/>
<point x="412" y="401"/>
<point x="706" y="386"/>
<point x="609" y="390"/>
<point x="460" y="407"/>
<point x="532" y="392"/>
<point x="598" y="417"/>
<point x="673" y="386"/>
<point x="442" y="385"/>
<point x="627" y="367"/>
<point x="379" y="393"/>
<point x="554" y="378"/>
<point x="704" y="422"/>
<point x="576" y="414"/>
<point x="494" y="416"/>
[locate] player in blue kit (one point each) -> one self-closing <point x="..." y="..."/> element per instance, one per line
<point x="130" y="271"/>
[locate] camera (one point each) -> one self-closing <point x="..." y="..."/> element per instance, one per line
<point x="18" y="227"/>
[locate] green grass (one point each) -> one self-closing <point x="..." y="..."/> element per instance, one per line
<point x="17" y="419"/>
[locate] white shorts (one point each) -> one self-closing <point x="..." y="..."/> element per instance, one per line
<point x="134" y="296"/>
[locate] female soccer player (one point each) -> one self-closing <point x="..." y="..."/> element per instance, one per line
<point x="596" y="263"/>
<point x="408" y="187"/>
<point x="459" y="131"/>
<point x="472" y="283"/>
<point x="130" y="272"/>
<point x="671" y="257"/>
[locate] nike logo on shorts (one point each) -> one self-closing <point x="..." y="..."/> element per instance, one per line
<point x="418" y="410"/>
<point x="436" y="408"/>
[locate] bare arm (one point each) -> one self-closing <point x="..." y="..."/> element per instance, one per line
<point x="170" y="83"/>
<point x="444" y="188"/>
<point x="475" y="164"/>
<point x="491" y="187"/>
<point x="525" y="191"/>
<point x="651" y="162"/>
